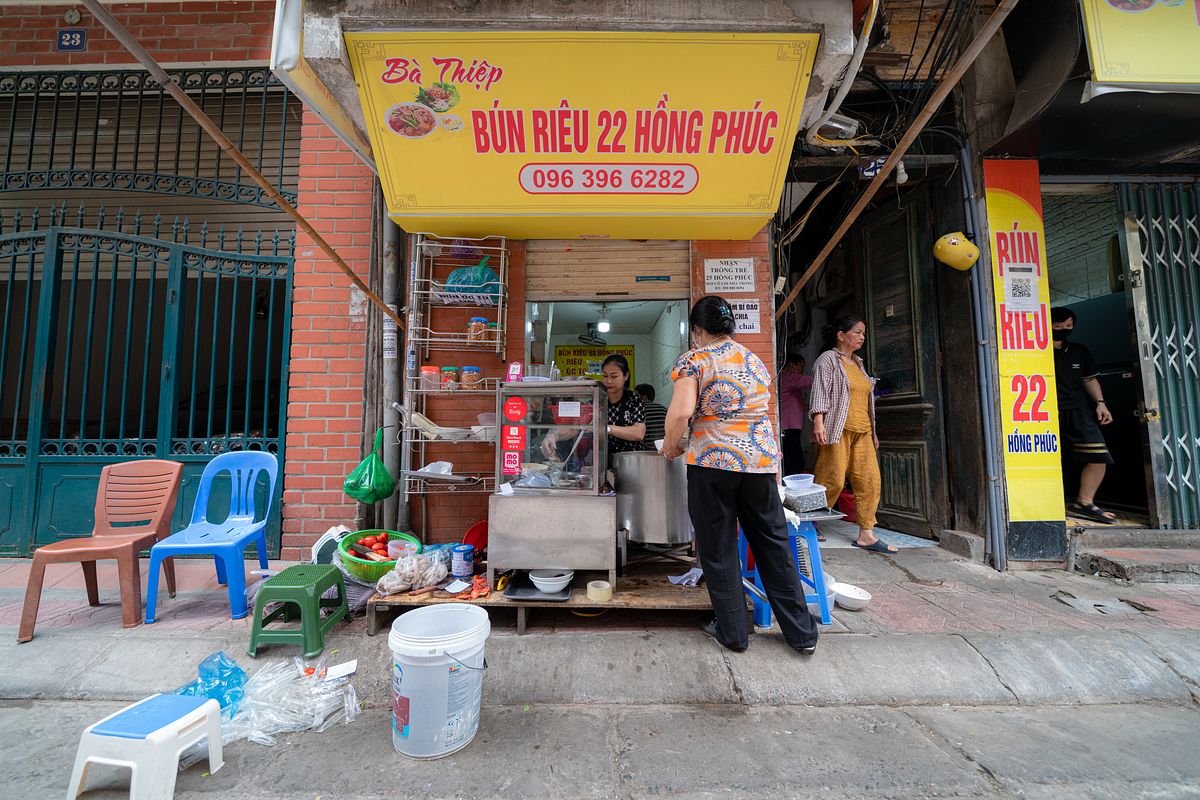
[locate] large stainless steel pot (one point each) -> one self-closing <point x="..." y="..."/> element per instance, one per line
<point x="652" y="498"/>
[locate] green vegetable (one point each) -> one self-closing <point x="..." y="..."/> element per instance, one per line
<point x="452" y="96"/>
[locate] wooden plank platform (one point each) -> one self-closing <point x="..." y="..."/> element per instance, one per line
<point x="646" y="587"/>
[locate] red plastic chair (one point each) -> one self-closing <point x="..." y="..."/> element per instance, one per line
<point x="129" y="493"/>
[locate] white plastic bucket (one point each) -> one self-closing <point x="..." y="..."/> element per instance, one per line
<point x="437" y="678"/>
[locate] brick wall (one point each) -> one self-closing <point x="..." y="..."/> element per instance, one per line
<point x="174" y="33"/>
<point x="758" y="248"/>
<point x="325" y="394"/>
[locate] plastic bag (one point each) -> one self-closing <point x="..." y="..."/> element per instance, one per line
<point x="220" y="678"/>
<point x="284" y="697"/>
<point x="462" y="248"/>
<point x="479" y="279"/>
<point x="281" y="698"/>
<point x="414" y="571"/>
<point x="358" y="591"/>
<point x="370" y="481"/>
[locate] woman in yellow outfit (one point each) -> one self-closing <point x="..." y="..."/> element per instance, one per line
<point x="842" y="408"/>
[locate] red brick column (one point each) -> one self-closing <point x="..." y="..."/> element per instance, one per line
<point x="325" y="394"/>
<point x="758" y="248"/>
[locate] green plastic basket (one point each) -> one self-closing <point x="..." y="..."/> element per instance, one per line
<point x="364" y="568"/>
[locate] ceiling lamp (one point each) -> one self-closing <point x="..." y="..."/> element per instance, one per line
<point x="602" y="324"/>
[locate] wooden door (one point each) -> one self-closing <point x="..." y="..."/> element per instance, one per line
<point x="902" y="352"/>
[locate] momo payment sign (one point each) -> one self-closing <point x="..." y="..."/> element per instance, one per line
<point x="1028" y="399"/>
<point x="582" y="134"/>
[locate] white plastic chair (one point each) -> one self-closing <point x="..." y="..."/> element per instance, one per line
<point x="148" y="737"/>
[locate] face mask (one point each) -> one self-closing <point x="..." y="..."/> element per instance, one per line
<point x="1061" y="335"/>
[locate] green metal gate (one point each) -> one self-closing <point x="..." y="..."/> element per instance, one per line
<point x="128" y="339"/>
<point x="1167" y="217"/>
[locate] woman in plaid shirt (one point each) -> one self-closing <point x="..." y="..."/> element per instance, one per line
<point x="842" y="408"/>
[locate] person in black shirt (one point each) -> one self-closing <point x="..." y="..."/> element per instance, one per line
<point x="626" y="414"/>
<point x="1078" y="394"/>
<point x="656" y="415"/>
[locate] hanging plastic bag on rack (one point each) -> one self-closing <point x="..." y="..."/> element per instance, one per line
<point x="370" y="481"/>
<point x="477" y="280"/>
<point x="462" y="248"/>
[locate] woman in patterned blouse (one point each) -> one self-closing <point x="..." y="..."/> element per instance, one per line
<point x="733" y="464"/>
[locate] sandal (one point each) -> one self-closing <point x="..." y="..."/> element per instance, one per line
<point x="821" y="537"/>
<point x="1093" y="512"/>
<point x="877" y="546"/>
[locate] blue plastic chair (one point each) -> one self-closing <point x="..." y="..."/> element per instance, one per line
<point x="808" y="532"/>
<point x="225" y="540"/>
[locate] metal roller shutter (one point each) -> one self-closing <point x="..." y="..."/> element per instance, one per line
<point x="602" y="269"/>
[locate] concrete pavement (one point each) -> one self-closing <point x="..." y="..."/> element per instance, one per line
<point x="955" y="681"/>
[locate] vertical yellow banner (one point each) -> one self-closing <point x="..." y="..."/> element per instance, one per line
<point x="1028" y="401"/>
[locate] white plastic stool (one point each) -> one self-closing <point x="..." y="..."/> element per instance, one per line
<point x="148" y="737"/>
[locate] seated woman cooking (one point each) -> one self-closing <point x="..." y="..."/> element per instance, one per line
<point x="626" y="412"/>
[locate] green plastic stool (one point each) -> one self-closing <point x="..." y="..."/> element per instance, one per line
<point x="299" y="588"/>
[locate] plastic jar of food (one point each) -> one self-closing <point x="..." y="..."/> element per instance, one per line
<point x="431" y="377"/>
<point x="449" y="377"/>
<point x="477" y="329"/>
<point x="471" y="377"/>
<point x="493" y="332"/>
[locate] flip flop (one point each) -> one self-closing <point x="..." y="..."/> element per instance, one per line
<point x="1092" y="512"/>
<point x="877" y="546"/>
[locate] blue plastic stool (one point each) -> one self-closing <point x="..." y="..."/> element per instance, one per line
<point x="226" y="541"/>
<point x="808" y="532"/>
<point x="148" y="737"/>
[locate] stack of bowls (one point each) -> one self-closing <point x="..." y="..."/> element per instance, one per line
<point x="550" y="581"/>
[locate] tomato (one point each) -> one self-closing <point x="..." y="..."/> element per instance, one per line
<point x="369" y="541"/>
<point x="380" y="548"/>
<point x="383" y="537"/>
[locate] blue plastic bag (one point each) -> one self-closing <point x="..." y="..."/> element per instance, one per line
<point x="479" y="279"/>
<point x="218" y="677"/>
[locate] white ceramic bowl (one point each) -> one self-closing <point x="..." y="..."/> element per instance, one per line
<point x="551" y="580"/>
<point x="798" y="482"/>
<point x="850" y="597"/>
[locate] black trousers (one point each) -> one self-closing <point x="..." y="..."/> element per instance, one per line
<point x="718" y="501"/>
<point x="793" y="451"/>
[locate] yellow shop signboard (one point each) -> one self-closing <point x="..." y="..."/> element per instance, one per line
<point x="601" y="134"/>
<point x="1150" y="44"/>
<point x="1028" y="399"/>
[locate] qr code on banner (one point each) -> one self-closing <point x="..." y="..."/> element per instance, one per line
<point x="1021" y="288"/>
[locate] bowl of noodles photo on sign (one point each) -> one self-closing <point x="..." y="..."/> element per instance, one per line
<point x="411" y="120"/>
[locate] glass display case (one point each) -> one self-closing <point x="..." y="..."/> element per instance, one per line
<point x="548" y="510"/>
<point x="552" y="438"/>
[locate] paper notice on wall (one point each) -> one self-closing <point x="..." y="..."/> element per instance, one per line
<point x="727" y="275"/>
<point x="746" y="313"/>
